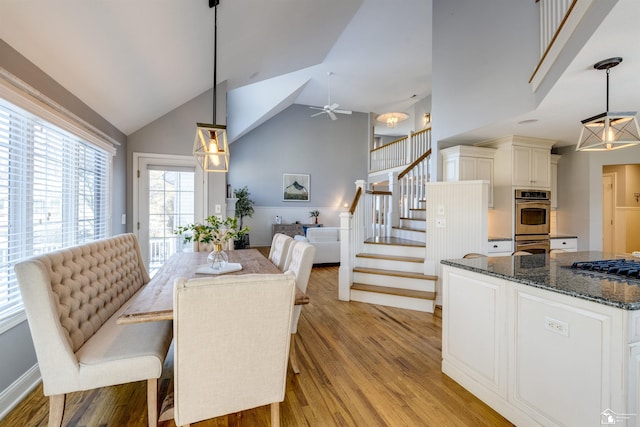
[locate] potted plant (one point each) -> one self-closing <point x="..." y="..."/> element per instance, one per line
<point x="315" y="214"/>
<point x="216" y="232"/>
<point x="244" y="208"/>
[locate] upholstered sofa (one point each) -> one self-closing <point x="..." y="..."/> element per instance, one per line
<point x="327" y="243"/>
<point x="72" y="298"/>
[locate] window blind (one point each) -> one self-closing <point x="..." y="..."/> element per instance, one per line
<point x="54" y="193"/>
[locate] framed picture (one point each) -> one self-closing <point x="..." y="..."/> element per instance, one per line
<point x="295" y="187"/>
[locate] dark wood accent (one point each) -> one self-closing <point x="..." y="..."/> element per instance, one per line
<point x="394" y="273"/>
<point x="389" y="290"/>
<point x="384" y="240"/>
<point x="415" y="163"/>
<point x="391" y="257"/>
<point x="356" y="199"/>
<point x="362" y="365"/>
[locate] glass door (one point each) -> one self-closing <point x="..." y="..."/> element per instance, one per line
<point x="170" y="194"/>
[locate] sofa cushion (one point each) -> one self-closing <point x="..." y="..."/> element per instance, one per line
<point x="323" y="234"/>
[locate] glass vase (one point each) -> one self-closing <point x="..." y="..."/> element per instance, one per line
<point x="218" y="258"/>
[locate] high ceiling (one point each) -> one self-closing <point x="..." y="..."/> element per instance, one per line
<point x="134" y="61"/>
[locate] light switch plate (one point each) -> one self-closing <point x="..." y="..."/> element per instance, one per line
<point x="218" y="209"/>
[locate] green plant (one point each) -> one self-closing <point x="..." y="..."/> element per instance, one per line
<point x="244" y="205"/>
<point x="314" y="214"/>
<point x="215" y="230"/>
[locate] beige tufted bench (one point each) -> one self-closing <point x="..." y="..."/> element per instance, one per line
<point x="72" y="298"/>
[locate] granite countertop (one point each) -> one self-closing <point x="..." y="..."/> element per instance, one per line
<point x="500" y="239"/>
<point x="551" y="273"/>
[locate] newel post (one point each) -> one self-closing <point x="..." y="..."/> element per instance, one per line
<point x="346" y="268"/>
<point x="394" y="205"/>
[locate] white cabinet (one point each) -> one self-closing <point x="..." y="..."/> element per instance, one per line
<point x="554" y="180"/>
<point x="467" y="163"/>
<point x="569" y="244"/>
<point x="500" y="247"/>
<point x="536" y="356"/>
<point x="531" y="167"/>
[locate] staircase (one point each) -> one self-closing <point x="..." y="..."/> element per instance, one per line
<point x="386" y="240"/>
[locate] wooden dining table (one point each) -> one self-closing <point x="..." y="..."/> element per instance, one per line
<point x="155" y="300"/>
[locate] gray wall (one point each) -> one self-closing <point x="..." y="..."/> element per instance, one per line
<point x="580" y="192"/>
<point x="17" y="353"/>
<point x="334" y="153"/>
<point x="174" y="133"/>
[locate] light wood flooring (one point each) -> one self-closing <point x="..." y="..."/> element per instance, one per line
<point x="362" y="365"/>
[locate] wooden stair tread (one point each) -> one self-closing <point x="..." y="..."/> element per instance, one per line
<point x="408" y="229"/>
<point x="395" y="273"/>
<point x="394" y="291"/>
<point x="394" y="241"/>
<point x="418" y="209"/>
<point x="391" y="257"/>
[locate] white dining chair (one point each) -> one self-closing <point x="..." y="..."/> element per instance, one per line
<point x="231" y="344"/>
<point x="279" y="250"/>
<point x="300" y="264"/>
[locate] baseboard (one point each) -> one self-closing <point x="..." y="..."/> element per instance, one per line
<point x="18" y="390"/>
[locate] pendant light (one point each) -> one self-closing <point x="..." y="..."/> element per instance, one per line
<point x="210" y="147"/>
<point x="609" y="131"/>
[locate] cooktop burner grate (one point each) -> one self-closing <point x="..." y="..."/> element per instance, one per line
<point x="615" y="267"/>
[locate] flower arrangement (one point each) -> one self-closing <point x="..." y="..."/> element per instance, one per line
<point x="216" y="231"/>
<point x="315" y="214"/>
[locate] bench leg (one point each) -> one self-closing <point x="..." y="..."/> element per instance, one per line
<point x="293" y="357"/>
<point x="56" y="409"/>
<point x="152" y="401"/>
<point x="275" y="414"/>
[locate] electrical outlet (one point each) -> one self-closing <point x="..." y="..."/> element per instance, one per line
<point x="441" y="222"/>
<point x="557" y="326"/>
<point x="218" y="209"/>
<point x="124" y="219"/>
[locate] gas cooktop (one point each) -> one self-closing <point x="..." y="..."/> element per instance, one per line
<point x="619" y="268"/>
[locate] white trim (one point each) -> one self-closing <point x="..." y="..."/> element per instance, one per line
<point x="13" y="320"/>
<point x="25" y="96"/>
<point x="18" y="390"/>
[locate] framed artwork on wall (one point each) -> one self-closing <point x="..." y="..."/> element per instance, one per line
<point x="295" y="187"/>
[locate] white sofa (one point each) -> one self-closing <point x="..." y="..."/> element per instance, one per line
<point x="327" y="243"/>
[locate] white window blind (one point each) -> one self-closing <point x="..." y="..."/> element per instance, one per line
<point x="54" y="193"/>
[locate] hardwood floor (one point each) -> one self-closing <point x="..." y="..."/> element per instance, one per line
<point x="362" y="365"/>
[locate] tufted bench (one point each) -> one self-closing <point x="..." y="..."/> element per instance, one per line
<point x="72" y="298"/>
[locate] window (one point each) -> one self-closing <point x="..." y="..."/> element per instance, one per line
<point x="54" y="193"/>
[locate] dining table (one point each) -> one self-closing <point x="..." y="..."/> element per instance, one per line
<point x="155" y="300"/>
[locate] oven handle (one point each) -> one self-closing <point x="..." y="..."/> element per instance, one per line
<point x="533" y="202"/>
<point x="519" y="244"/>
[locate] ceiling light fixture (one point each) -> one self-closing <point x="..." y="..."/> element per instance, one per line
<point x="609" y="131"/>
<point x="210" y="147"/>
<point x="392" y="119"/>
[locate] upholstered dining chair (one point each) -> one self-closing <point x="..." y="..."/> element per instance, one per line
<point x="231" y="343"/>
<point x="518" y="253"/>
<point x="290" y="250"/>
<point x="474" y="255"/>
<point x="300" y="264"/>
<point x="279" y="249"/>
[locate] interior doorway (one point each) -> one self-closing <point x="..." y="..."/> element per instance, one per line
<point x="621" y="208"/>
<point x="608" y="212"/>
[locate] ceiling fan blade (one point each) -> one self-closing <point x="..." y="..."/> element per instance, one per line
<point x="333" y="116"/>
<point x="342" y="111"/>
<point x="332" y="106"/>
<point x="316" y="108"/>
<point x="317" y="114"/>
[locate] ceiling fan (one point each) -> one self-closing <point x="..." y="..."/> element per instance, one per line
<point x="329" y="109"/>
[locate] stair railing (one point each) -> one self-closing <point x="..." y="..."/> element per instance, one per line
<point x="389" y="156"/>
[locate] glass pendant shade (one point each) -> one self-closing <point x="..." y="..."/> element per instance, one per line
<point x="210" y="147"/>
<point x="609" y="131"/>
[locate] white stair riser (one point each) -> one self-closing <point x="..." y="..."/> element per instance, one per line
<point x="412" y="251"/>
<point x="416" y="236"/>
<point x="416" y="224"/>
<point x="394" y="281"/>
<point x="418" y="304"/>
<point x="416" y="214"/>
<point x="386" y="264"/>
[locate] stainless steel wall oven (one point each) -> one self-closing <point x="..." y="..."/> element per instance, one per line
<point x="532" y="220"/>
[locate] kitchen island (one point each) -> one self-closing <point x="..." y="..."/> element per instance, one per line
<point x="541" y="343"/>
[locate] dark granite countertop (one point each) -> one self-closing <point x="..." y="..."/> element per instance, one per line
<point x="550" y="272"/>
<point x="500" y="239"/>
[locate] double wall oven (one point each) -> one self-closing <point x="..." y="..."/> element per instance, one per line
<point x="532" y="216"/>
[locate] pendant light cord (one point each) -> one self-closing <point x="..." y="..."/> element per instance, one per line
<point x="215" y="59"/>
<point x="608" y="69"/>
